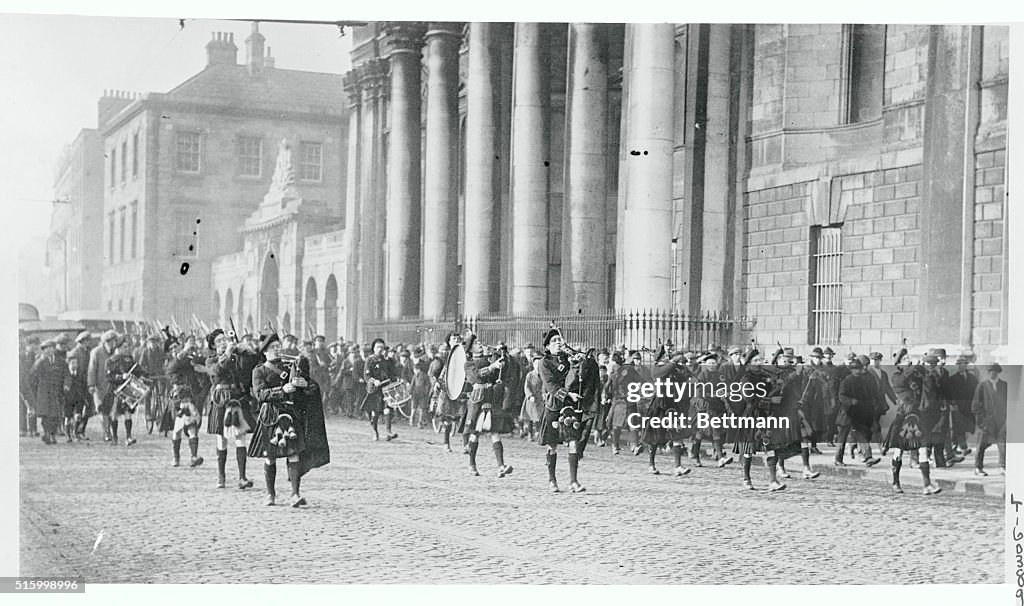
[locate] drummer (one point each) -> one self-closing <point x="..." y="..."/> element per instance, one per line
<point x="120" y="368"/>
<point x="379" y="370"/>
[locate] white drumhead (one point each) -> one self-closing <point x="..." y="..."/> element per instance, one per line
<point x="455" y="372"/>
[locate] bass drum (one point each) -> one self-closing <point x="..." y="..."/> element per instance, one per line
<point x="455" y="372"/>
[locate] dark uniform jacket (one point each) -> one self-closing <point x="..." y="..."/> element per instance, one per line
<point x="857" y="397"/>
<point x="48" y="381"/>
<point x="382" y="369"/>
<point x="553" y="371"/>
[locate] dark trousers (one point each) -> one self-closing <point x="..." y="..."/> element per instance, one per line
<point x="844" y="434"/>
<point x="985" y="441"/>
<point x="22" y="416"/>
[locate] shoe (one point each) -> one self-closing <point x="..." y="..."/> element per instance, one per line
<point x="393" y="436"/>
<point x="785" y="474"/>
<point x="915" y="465"/>
<point x="615" y="451"/>
<point x="724" y="461"/>
<point x="748" y="485"/>
<point x="776" y="486"/>
<point x="269" y="500"/>
<point x="872" y="462"/>
<point x="298" y="501"/>
<point x="70" y="439"/>
<point x="814" y="450"/>
<point x="175" y="463"/>
<point x="654" y="471"/>
<point x="930" y="490"/>
<point x="682" y="471"/>
<point x="831" y="444"/>
<point x="553" y="486"/>
<point x="447" y="448"/>
<point x="980" y="472"/>
<point x="375" y="439"/>
<point x="220" y="483"/>
<point x="113" y="441"/>
<point x="465" y="450"/>
<point x="810" y="475"/>
<point x="696" y="462"/>
<point x="473" y="471"/>
<point x="244" y="483"/>
<point x="577" y="487"/>
<point x="196" y="462"/>
<point x="897" y="489"/>
<point x="955" y="459"/>
<point x="839" y="463"/>
<point x="504" y="471"/>
<point x="968" y="451"/>
<point x="105" y="438"/>
<point x="130" y="441"/>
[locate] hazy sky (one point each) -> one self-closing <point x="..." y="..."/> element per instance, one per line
<point x="53" y="70"/>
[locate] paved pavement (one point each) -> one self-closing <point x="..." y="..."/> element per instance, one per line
<point x="408" y="512"/>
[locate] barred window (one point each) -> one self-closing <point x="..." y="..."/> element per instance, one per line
<point x="124" y="161"/>
<point x="185" y="237"/>
<point x="121" y="248"/>
<point x="250" y="156"/>
<point x="188" y="156"/>
<point x="826" y="286"/>
<point x="310" y="161"/>
<point x="135" y="155"/>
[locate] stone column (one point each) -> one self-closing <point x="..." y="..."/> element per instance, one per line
<point x="352" y="208"/>
<point x="530" y="169"/>
<point x="369" y="269"/>
<point x="942" y="186"/>
<point x="583" y="235"/>
<point x="647" y="188"/>
<point x="482" y="195"/>
<point x="403" y="206"/>
<point x="715" y="212"/>
<point x="440" y="225"/>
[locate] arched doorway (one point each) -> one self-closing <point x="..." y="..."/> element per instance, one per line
<point x="268" y="292"/>
<point x="241" y="312"/>
<point x="229" y="308"/>
<point x="331" y="309"/>
<point x="309" y="307"/>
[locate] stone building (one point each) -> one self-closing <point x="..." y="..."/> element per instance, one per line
<point x="829" y="184"/>
<point x="74" y="255"/>
<point x="185" y="169"/>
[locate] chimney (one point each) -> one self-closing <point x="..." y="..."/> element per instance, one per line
<point x="221" y="50"/>
<point x="111" y="104"/>
<point x="254" y="50"/>
<point x="268" y="61"/>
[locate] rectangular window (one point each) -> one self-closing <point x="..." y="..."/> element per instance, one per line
<point x="110" y="241"/>
<point x="188" y="159"/>
<point x="250" y="156"/>
<point x="864" y="68"/>
<point x="124" y="161"/>
<point x="113" y="167"/>
<point x="826" y="297"/>
<point x="185" y="236"/>
<point x="135" y="155"/>
<point x="121" y="247"/>
<point x="310" y="161"/>
<point x="120" y="305"/>
<point x="135" y="229"/>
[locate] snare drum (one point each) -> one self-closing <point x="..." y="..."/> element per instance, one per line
<point x="396" y="393"/>
<point x="133" y="391"/>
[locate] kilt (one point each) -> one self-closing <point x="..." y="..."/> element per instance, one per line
<point x="620" y="412"/>
<point x="486" y="418"/>
<point x="784" y="441"/>
<point x="267" y="425"/>
<point x="905" y="432"/>
<point x="552" y="432"/>
<point x="713" y="407"/>
<point x="659" y="436"/>
<point x="186" y="418"/>
<point x="219" y="398"/>
<point x="373" y="404"/>
<point x="175" y="394"/>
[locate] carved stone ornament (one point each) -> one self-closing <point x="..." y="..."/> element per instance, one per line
<point x="283" y="184"/>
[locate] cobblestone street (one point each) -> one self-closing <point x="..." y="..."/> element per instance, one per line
<point x="408" y="512"/>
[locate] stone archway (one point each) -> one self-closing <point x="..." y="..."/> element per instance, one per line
<point x="331" y="309"/>
<point x="269" y="283"/>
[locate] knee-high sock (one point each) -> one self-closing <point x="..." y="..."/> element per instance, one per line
<point x="677" y="454"/>
<point x="387" y="424"/>
<point x="193" y="446"/>
<point x="805" y="457"/>
<point x="176" y="447"/>
<point x="499" y="453"/>
<point x="270" y="476"/>
<point x="695" y="450"/>
<point x="717" y="446"/>
<point x="772" y="463"/>
<point x="574" y="465"/>
<point x="473" y="446"/>
<point x="373" y="424"/>
<point x="113" y="428"/>
<point x="747" y="462"/>
<point x="926" y="472"/>
<point x="446" y="430"/>
<point x="465" y="440"/>
<point x="222" y="462"/>
<point x="897" y="464"/>
<point x="240" y="456"/>
<point x="616" y="437"/>
<point x="293" y="476"/>
<point x="128" y="429"/>
<point x="653" y="454"/>
<point x="552" y="463"/>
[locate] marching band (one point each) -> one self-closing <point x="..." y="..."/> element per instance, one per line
<point x="269" y="398"/>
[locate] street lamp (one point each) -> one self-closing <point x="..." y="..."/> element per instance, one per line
<point x="65" y="199"/>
